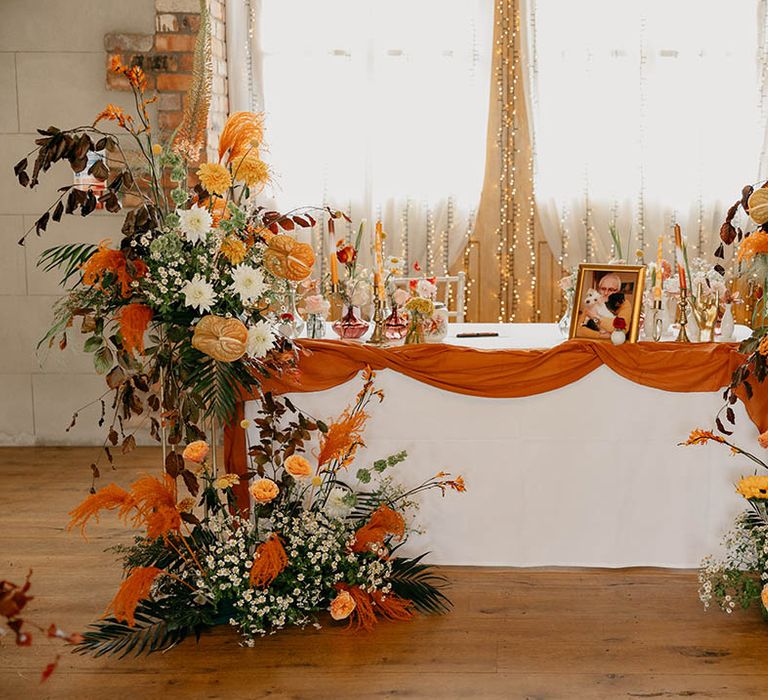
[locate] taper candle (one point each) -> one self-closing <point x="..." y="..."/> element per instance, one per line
<point x="333" y="262"/>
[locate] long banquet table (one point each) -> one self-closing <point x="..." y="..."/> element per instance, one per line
<point x="569" y="450"/>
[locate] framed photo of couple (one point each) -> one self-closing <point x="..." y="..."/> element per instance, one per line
<point x="605" y="293"/>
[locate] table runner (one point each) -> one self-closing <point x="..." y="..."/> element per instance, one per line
<point x="699" y="367"/>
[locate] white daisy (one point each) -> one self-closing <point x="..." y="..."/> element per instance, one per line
<point x="261" y="338"/>
<point x="335" y="505"/>
<point x="195" y="223"/>
<point x="199" y="293"/>
<point x="248" y="282"/>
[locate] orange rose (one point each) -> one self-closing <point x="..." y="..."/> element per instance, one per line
<point x="196" y="451"/>
<point x="763" y="440"/>
<point x="342" y="606"/>
<point x="346" y="255"/>
<point x="298" y="467"/>
<point x="264" y="490"/>
<point x="764" y="596"/>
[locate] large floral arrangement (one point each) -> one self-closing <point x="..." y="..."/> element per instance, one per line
<point x="178" y="312"/>
<point x="315" y="543"/>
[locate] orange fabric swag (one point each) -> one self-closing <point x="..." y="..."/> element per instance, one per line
<point x="324" y="364"/>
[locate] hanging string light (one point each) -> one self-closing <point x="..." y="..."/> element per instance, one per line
<point x="641" y="141"/>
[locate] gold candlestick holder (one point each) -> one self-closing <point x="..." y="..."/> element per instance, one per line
<point x="378" y="337"/>
<point x="682" y="311"/>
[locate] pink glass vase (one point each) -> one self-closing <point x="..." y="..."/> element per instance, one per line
<point x="350" y="326"/>
<point x="396" y="325"/>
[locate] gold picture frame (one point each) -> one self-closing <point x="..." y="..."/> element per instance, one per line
<point x="595" y="305"/>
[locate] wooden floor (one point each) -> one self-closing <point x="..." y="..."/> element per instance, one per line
<point x="631" y="633"/>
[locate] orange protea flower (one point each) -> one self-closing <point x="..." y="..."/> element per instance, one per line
<point x="214" y="177"/>
<point x="242" y="133"/>
<point x="105" y="260"/>
<point x="343" y="438"/>
<point x="108" y="498"/>
<point x="700" y="437"/>
<point x="269" y="562"/>
<point x="135" y="588"/>
<point x="134" y="320"/>
<point x="251" y="170"/>
<point x="114" y="114"/>
<point x="383" y="522"/>
<point x="233" y="249"/>
<point x="754" y="244"/>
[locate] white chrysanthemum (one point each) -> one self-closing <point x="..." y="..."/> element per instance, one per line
<point x="195" y="223"/>
<point x="199" y="293"/>
<point x="336" y="506"/>
<point x="261" y="338"/>
<point x="248" y="282"/>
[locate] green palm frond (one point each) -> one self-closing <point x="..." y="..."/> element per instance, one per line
<point x="219" y="385"/>
<point x="69" y="257"/>
<point x="151" y="633"/>
<point x="418" y="582"/>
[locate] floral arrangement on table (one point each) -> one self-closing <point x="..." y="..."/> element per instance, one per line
<point x="179" y="313"/>
<point x="315" y="544"/>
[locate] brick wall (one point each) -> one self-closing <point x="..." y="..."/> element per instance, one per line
<point x="166" y="56"/>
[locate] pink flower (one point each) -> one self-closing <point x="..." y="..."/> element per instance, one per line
<point x="401" y="296"/>
<point x="315" y="304"/>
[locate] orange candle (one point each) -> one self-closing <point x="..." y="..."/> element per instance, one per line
<point x="659" y="270"/>
<point x="378" y="277"/>
<point x="333" y="262"/>
<point x="679" y="257"/>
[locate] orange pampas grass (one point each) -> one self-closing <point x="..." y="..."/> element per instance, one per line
<point x="343" y="438"/>
<point x="392" y="607"/>
<point x="155" y="502"/>
<point x="242" y="133"/>
<point x="383" y="521"/>
<point x="108" y="498"/>
<point x="135" y="588"/>
<point x="269" y="562"/>
<point x="106" y="260"/>
<point x="134" y="320"/>
<point x="368" y="606"/>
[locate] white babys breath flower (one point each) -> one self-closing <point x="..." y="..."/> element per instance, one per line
<point x="195" y="223"/>
<point x="336" y="506"/>
<point x="261" y="338"/>
<point x="248" y="283"/>
<point x="199" y="293"/>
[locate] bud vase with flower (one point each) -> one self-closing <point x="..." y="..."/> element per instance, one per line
<point x="619" y="334"/>
<point x="420" y="311"/>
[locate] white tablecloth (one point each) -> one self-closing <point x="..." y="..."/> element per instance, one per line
<point x="586" y="475"/>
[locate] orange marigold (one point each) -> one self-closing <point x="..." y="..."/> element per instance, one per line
<point x="110" y="497"/>
<point x="700" y="437"/>
<point x="134" y="589"/>
<point x="134" y="320"/>
<point x="214" y="177"/>
<point x="754" y="244"/>
<point x="383" y="522"/>
<point x="233" y="249"/>
<point x="105" y="260"/>
<point x="269" y="561"/>
<point x="251" y="170"/>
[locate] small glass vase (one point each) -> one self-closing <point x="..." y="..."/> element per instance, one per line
<point x="396" y="324"/>
<point x="290" y="323"/>
<point x="564" y="324"/>
<point x="415" y="333"/>
<point x="315" y="326"/>
<point x="350" y="326"/>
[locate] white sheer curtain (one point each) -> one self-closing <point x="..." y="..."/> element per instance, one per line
<point x="645" y="112"/>
<point x="375" y="108"/>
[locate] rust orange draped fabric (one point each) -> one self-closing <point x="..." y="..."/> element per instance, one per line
<point x="508" y="373"/>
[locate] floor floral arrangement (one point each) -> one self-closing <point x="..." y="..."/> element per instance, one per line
<point x="181" y="316"/>
<point x="314" y="543"/>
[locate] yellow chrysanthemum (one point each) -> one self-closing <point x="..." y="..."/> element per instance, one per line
<point x="251" y="170"/>
<point x="186" y="505"/>
<point x="753" y="487"/>
<point x="226" y="481"/>
<point x="420" y="305"/>
<point x="214" y="177"/>
<point x="233" y="249"/>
